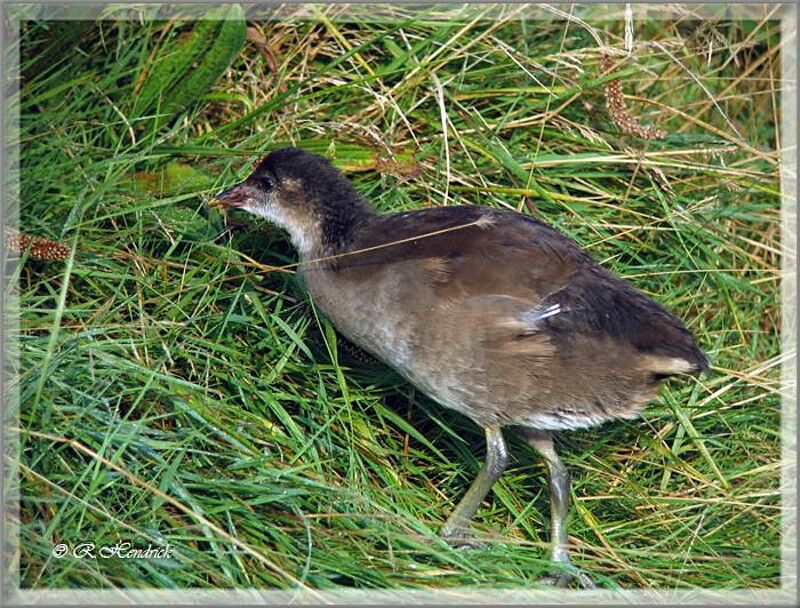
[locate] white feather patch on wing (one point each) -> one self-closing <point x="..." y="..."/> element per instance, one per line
<point x="531" y="318"/>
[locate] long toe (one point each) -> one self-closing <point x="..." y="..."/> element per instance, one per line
<point x="563" y="580"/>
<point x="471" y="544"/>
<point x="463" y="541"/>
<point x="560" y="580"/>
<point x="585" y="582"/>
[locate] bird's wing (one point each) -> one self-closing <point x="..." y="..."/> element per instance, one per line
<point x="470" y="251"/>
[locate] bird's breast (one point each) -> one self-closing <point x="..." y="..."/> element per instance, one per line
<point x="397" y="320"/>
<point x="367" y="312"/>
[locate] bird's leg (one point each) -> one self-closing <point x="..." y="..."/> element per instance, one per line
<point x="455" y="528"/>
<point x="559" y="477"/>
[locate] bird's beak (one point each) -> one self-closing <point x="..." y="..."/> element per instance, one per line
<point x="234" y="197"/>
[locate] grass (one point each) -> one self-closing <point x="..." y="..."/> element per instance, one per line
<point x="174" y="387"/>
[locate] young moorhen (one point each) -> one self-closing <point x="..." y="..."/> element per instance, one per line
<point x="490" y="312"/>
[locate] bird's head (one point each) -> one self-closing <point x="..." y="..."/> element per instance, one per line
<point x="305" y="195"/>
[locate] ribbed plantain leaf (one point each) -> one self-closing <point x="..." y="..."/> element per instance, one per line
<point x="228" y="44"/>
<point x="172" y="63"/>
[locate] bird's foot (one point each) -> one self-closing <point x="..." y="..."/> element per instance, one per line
<point x="562" y="580"/>
<point x="461" y="540"/>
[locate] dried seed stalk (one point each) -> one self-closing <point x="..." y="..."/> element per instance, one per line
<point x="40" y="248"/>
<point x="615" y="103"/>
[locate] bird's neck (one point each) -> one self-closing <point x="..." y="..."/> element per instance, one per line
<point x="338" y="225"/>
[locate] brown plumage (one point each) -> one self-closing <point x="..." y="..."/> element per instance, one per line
<point x="490" y="312"/>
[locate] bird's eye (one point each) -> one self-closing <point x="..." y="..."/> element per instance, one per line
<point x="267" y="183"/>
